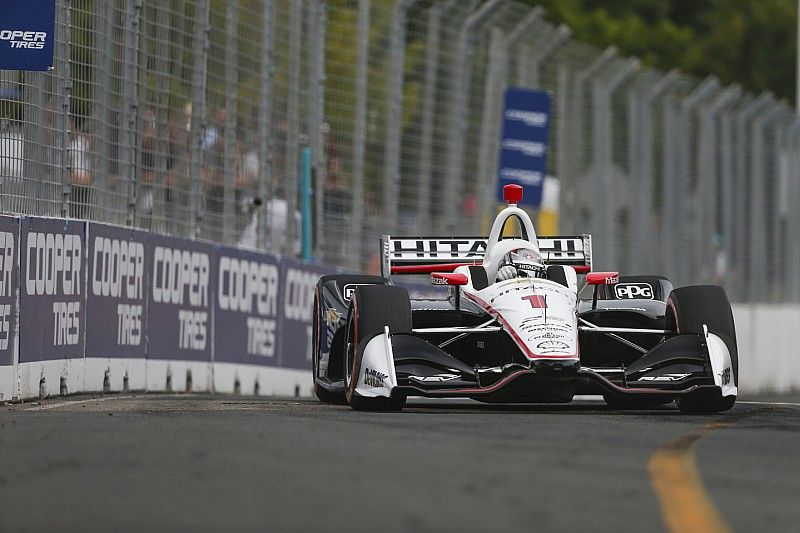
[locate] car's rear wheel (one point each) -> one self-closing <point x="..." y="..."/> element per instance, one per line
<point x="688" y="310"/>
<point x="372" y="308"/>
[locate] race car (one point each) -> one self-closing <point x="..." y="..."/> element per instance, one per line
<point x="524" y="319"/>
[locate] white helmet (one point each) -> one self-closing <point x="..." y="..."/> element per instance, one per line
<point x="521" y="262"/>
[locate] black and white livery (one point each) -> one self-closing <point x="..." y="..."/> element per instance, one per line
<point x="515" y="328"/>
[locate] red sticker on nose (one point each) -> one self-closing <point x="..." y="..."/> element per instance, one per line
<point x="537" y="301"/>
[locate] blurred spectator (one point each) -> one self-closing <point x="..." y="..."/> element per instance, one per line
<point x="214" y="176"/>
<point x="176" y="194"/>
<point x="80" y="179"/>
<point x="469" y="206"/>
<point x="148" y="174"/>
<point x="275" y="210"/>
<point x="247" y="199"/>
<point x="12" y="146"/>
<point x="251" y="207"/>
<point x="336" y="203"/>
<point x="213" y="133"/>
<point x="337" y="197"/>
<point x="12" y="152"/>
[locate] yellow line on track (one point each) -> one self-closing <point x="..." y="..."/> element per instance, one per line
<point x="685" y="505"/>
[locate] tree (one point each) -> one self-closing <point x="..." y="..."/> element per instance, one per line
<point x="750" y="42"/>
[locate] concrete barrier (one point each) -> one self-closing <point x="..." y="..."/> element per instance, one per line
<point x="87" y="307"/>
<point x="769" y="360"/>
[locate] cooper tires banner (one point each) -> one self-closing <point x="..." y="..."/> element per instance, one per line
<point x="52" y="290"/>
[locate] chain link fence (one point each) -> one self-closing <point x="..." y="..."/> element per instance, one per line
<point x="206" y="119"/>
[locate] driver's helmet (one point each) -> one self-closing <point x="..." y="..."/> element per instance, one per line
<point x="527" y="263"/>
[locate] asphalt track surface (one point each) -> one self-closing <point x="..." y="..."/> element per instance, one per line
<point x="153" y="462"/>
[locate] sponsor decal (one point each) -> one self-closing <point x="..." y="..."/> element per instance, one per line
<point x="249" y="305"/>
<point x="386" y="263"/>
<point x="54" y="269"/>
<point x="373" y="378"/>
<point x="322" y="364"/>
<point x="665" y="377"/>
<point x="32" y="40"/>
<point x="521" y="175"/>
<point x="726" y="376"/>
<point x="534" y="119"/>
<point x="548" y="335"/>
<point x="298" y="302"/>
<point x="559" y="250"/>
<point x="299" y="294"/>
<point x="9" y="283"/>
<point x="54" y="265"/>
<point x="438" y="378"/>
<point x="552" y="346"/>
<point x="249" y="288"/>
<point x="52" y="289"/>
<point x="332" y="317"/>
<point x="437" y="248"/>
<point x="297" y="289"/>
<point x="26" y="35"/>
<point x="117" y="288"/>
<point x="530" y="270"/>
<point x="181" y="278"/>
<point x="547" y="328"/>
<point x="446" y="278"/>
<point x="630" y="291"/>
<point x="350" y="288"/>
<point x="514" y="285"/>
<point x="528" y="148"/>
<point x="523" y="143"/>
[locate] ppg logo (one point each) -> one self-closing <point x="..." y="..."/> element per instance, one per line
<point x="630" y="291"/>
<point x="350" y="288"/>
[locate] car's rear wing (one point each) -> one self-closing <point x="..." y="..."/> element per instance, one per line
<point x="423" y="255"/>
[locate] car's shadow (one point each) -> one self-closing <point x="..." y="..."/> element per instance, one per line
<point x="421" y="406"/>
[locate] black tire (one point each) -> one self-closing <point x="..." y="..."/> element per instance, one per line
<point x="322" y="394"/>
<point x="688" y="309"/>
<point x="705" y="401"/>
<point x="371" y="309"/>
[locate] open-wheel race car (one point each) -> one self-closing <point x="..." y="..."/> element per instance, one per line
<point x="514" y="327"/>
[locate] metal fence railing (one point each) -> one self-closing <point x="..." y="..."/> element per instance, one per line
<point x="192" y="118"/>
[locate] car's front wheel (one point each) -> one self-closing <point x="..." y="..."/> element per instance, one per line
<point x="372" y="308"/>
<point x="688" y="310"/>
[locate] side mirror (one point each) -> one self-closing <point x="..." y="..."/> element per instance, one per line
<point x="602" y="278"/>
<point x="448" y="278"/>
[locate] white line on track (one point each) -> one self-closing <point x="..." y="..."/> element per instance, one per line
<point x="70" y="403"/>
<point x="770" y="403"/>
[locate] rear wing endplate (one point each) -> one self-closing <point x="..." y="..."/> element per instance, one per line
<point x="423" y="255"/>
